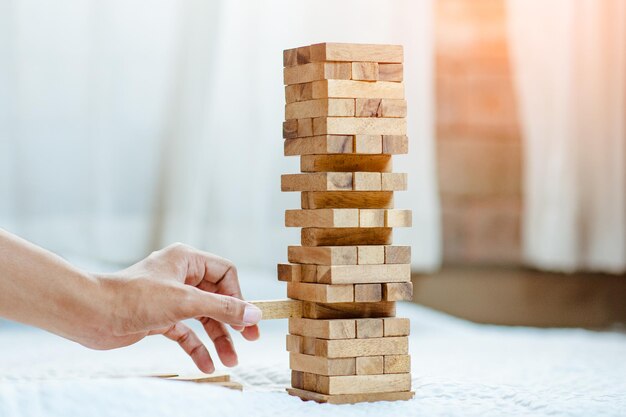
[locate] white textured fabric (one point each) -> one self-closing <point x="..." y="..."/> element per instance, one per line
<point x="570" y="69"/>
<point x="458" y="369"/>
<point x="126" y="125"/>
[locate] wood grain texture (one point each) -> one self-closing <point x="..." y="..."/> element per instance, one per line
<point x="323" y="255"/>
<point x="395" y="144"/>
<point x="390" y="72"/>
<point x="350" y="398"/>
<point x="365" y="71"/>
<point x="396" y="326"/>
<point x="279" y="309"/>
<point x="322" y="366"/>
<point x="369" y="328"/>
<point x="393" y="181"/>
<point x="324" y="144"/>
<point x="369" y="365"/>
<point x="316" y="71"/>
<point x="354" y="89"/>
<point x="396" y="364"/>
<point x="372" y="218"/>
<point x="397" y="291"/>
<point x="368" y="144"/>
<point x="377" y="107"/>
<point x="345" y="236"/>
<point x="347" y="348"/>
<point x="348" y="310"/>
<point x="349" y="52"/>
<point x="347" y="199"/>
<point x="289" y="272"/>
<point x="368" y="293"/>
<point x="367" y="181"/>
<point x="298" y="92"/>
<point x="397" y="254"/>
<point x="339" y="107"/>
<point x="320" y="293"/>
<point x="358" y="126"/>
<point x="323" y="329"/>
<point x="370" y="255"/>
<point x="345" y="163"/>
<point x="322" y="181"/>
<point x="322" y="218"/>
<point x="398" y="218"/>
<point x="363" y="274"/>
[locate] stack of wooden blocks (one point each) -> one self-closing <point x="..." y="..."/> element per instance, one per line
<point x="345" y="116"/>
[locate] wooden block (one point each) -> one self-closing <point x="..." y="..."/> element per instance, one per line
<point x="230" y="385"/>
<point x="395" y="144"/>
<point x="323" y="255"/>
<point x="390" y="72"/>
<point x="347" y="199"/>
<point x="365" y="71"/>
<point x="297" y="379"/>
<point x="303" y="55"/>
<point x="379" y="107"/>
<point x="353" y="384"/>
<point x="345" y="163"/>
<point x="355" y="89"/>
<point x="323" y="329"/>
<point x="347" y="348"/>
<point x="289" y="272"/>
<point x="393" y="181"/>
<point x="320" y="181"/>
<point x="316" y="71"/>
<point x="340" y="107"/>
<point x="397" y="254"/>
<point x="397" y="291"/>
<point x="324" y="144"/>
<point x="363" y="274"/>
<point x="396" y="326"/>
<point x="369" y="365"/>
<point x="279" y="309"/>
<point x="372" y="218"/>
<point x="396" y="364"/>
<point x="348" y="310"/>
<point x="350" y="398"/>
<point x="320" y="293"/>
<point x="398" y="218"/>
<point x="298" y="92"/>
<point x="370" y="255"/>
<point x="345" y="236"/>
<point x="305" y="127"/>
<point x="368" y="293"/>
<point x="202" y="378"/>
<point x="349" y="52"/>
<point x="290" y="57"/>
<point x="322" y="218"/>
<point x="369" y="328"/>
<point x="368" y="144"/>
<point x="359" y="126"/>
<point x="322" y="366"/>
<point x="309" y="273"/>
<point x="290" y="129"/>
<point x="367" y="181"/>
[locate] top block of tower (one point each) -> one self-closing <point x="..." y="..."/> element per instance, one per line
<point x="343" y="52"/>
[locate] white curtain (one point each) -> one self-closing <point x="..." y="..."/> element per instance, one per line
<point x="126" y="125"/>
<point x="569" y="62"/>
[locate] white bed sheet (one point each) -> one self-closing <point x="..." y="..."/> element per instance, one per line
<point x="459" y="369"/>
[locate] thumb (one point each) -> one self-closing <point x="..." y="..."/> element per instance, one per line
<point x="224" y="308"/>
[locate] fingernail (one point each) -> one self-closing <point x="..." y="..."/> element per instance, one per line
<point x="252" y="314"/>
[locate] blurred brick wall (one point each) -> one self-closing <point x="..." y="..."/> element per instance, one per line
<point x="478" y="135"/>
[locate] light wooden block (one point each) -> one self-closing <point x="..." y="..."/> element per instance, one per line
<point x="370" y="255"/>
<point x="202" y="378"/>
<point x="372" y="218"/>
<point x="393" y="181"/>
<point x="398" y="218"/>
<point x="350" y="398"/>
<point x="397" y="254"/>
<point x="305" y="127"/>
<point x="365" y="71"/>
<point x="368" y="144"/>
<point x="348" y="348"/>
<point x="279" y="309"/>
<point x="323" y="255"/>
<point x="321" y="181"/>
<point x="322" y="366"/>
<point x="397" y="291"/>
<point x="353" y="384"/>
<point x="346" y="236"/>
<point x="325" y="144"/>
<point x="367" y="181"/>
<point x="390" y="72"/>
<point x="354" y="89"/>
<point x="369" y="365"/>
<point x="395" y="144"/>
<point x="347" y="199"/>
<point x="377" y="107"/>
<point x="340" y="107"/>
<point x="396" y="326"/>
<point x="345" y="163"/>
<point x="369" y="328"/>
<point x="289" y="272"/>
<point x="323" y="329"/>
<point x="396" y="364"/>
<point x="363" y="274"/>
<point x="316" y="71"/>
<point x="320" y="293"/>
<point x="298" y="92"/>
<point x="350" y="52"/>
<point x="312" y="310"/>
<point x="359" y="126"/>
<point x="322" y="218"/>
<point x="368" y="293"/>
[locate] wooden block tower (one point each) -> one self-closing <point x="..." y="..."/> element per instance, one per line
<point x="345" y="116"/>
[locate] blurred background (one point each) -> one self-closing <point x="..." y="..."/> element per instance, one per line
<point x="129" y="125"/>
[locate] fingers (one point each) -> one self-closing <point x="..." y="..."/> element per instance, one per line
<point x="229" y="310"/>
<point x="222" y="341"/>
<point x="251" y="333"/>
<point x="192" y="345"/>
